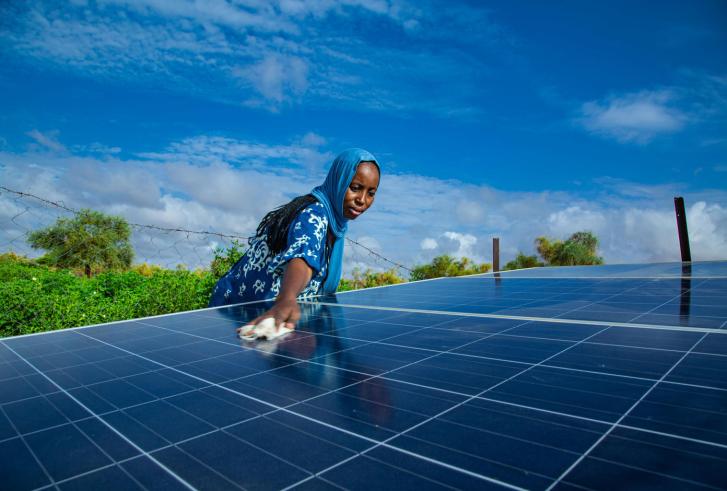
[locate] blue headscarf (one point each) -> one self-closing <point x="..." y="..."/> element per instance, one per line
<point x="331" y="194"/>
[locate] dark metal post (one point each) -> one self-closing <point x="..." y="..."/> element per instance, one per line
<point x="495" y="254"/>
<point x="682" y="229"/>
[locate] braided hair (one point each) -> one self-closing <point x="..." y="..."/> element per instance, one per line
<point x="277" y="222"/>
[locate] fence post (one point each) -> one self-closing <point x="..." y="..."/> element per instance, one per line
<point x="682" y="229"/>
<point x="496" y="254"/>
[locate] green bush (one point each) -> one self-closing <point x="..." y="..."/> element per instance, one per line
<point x="446" y="265"/>
<point x="368" y="279"/>
<point x="37" y="298"/>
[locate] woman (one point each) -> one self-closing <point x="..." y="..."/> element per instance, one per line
<point x="298" y="248"/>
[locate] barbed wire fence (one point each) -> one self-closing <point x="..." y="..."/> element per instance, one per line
<point x="169" y="247"/>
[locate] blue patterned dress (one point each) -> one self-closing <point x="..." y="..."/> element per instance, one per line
<point x="258" y="273"/>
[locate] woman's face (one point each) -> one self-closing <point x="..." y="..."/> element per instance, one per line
<point x="360" y="193"/>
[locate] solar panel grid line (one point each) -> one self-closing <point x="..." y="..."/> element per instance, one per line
<point x="416" y="333"/>
<point x="413" y="454"/>
<point x="30" y="450"/>
<point x="456" y="406"/>
<point x="336" y="428"/>
<point x="527" y="318"/>
<point x="435" y="355"/>
<point x="605" y="423"/>
<point x="555" y="367"/>
<point x="608" y="432"/>
<point x="121" y="435"/>
<point x="637" y="316"/>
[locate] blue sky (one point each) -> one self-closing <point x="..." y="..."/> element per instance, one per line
<point x="509" y="119"/>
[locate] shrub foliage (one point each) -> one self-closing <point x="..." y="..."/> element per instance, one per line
<point x="39" y="298"/>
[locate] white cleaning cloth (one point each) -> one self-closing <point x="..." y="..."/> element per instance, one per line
<point x="265" y="329"/>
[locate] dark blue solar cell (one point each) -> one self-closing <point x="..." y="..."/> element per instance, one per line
<point x="167" y="421"/>
<point x="376" y="408"/>
<point x="18" y="468"/>
<point x="486" y="453"/>
<point x="435" y="339"/>
<point x="399" y="395"/>
<point x="459" y="373"/>
<point x="127" y="365"/>
<point x="86" y="374"/>
<point x="699" y="369"/>
<point x="373" y="331"/>
<point x="210" y="409"/>
<point x="315" y="484"/>
<point x="309" y="452"/>
<point x="239" y="364"/>
<point x="14" y="368"/>
<point x="134" y="431"/>
<point x="647" y="338"/>
<point x="6" y="429"/>
<point x="65" y="452"/>
<point x="151" y="476"/>
<point x="373" y="359"/>
<point x="552" y="330"/>
<point x="66" y="405"/>
<point x="33" y="414"/>
<point x="15" y="389"/>
<point x="109" y="479"/>
<point x="377" y="472"/>
<point x="107" y="439"/>
<point x="693" y="412"/>
<point x="293" y="383"/>
<point x="714" y="343"/>
<point x="99" y="352"/>
<point x="589" y="395"/>
<point x="41" y="383"/>
<point x="121" y="394"/>
<point x="242" y="463"/>
<point x="161" y="384"/>
<point x="653" y="461"/>
<point x="91" y="400"/>
<point x="514" y="348"/>
<point x="476" y="324"/>
<point x="191" y="470"/>
<point x="619" y="360"/>
<point x="51" y="361"/>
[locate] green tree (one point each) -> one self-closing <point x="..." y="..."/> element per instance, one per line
<point x="225" y="258"/>
<point x="446" y="265"/>
<point x="91" y="241"/>
<point x="523" y="261"/>
<point x="579" y="249"/>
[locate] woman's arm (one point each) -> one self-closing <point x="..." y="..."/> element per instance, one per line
<point x="285" y="310"/>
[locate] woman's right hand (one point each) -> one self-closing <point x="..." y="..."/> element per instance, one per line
<point x="285" y="312"/>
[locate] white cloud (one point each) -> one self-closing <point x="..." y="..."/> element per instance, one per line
<point x="47" y="140"/>
<point x="226" y="185"/>
<point x="277" y="78"/>
<point x="268" y="55"/>
<point x="428" y="244"/>
<point x="637" y="117"/>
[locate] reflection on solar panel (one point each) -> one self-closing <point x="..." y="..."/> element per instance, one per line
<point x="605" y="377"/>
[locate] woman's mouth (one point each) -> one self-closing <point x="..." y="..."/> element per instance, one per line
<point x="354" y="212"/>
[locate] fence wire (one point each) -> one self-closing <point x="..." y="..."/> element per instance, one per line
<point x="169" y="247"/>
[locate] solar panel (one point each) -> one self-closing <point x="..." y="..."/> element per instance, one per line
<point x="552" y="378"/>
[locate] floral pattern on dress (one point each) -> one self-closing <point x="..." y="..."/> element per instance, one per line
<point x="258" y="273"/>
